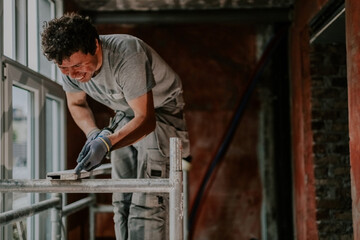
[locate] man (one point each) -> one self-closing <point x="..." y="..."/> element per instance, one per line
<point x="125" y="74"/>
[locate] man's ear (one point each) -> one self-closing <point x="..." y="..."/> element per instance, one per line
<point x="97" y="42"/>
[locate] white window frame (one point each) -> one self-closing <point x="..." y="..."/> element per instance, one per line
<point x="33" y="148"/>
<point x="41" y="88"/>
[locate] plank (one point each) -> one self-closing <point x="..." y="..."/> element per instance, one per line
<point x="71" y="175"/>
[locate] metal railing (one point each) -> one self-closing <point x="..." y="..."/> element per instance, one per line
<point x="173" y="185"/>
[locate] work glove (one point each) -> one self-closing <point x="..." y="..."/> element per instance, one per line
<point x="90" y="136"/>
<point x="94" y="151"/>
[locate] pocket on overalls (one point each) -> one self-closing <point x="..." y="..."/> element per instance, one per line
<point x="157" y="165"/>
<point x="163" y="134"/>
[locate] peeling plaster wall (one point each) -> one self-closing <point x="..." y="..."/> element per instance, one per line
<point x="215" y="63"/>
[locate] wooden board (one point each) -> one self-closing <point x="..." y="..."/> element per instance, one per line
<point x="71" y="175"/>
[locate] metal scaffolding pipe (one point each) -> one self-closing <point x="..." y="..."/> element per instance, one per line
<point x="176" y="194"/>
<point x="186" y="204"/>
<point x="103" y="209"/>
<point x="17" y="214"/>
<point x="86" y="185"/>
<point x="173" y="185"/>
<point x="77" y="206"/>
<point x="56" y="223"/>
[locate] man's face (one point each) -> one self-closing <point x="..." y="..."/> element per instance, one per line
<point x="80" y="66"/>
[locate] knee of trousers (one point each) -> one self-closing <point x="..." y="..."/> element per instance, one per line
<point x="119" y="218"/>
<point x="148" y="216"/>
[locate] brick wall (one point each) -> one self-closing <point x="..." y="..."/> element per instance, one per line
<point x="331" y="141"/>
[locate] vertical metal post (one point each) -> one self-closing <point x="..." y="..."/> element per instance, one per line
<point x="176" y="194"/>
<point x="2" y="145"/>
<point x="56" y="219"/>
<point x="186" y="199"/>
<point x="92" y="219"/>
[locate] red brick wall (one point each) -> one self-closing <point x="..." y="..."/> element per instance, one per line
<point x="329" y="109"/>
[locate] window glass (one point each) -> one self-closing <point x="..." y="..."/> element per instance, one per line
<point x="46" y="10"/>
<point x="52" y="134"/>
<point x="21" y="36"/>
<point x="22" y="100"/>
<point x="33" y="36"/>
<point x="52" y="147"/>
<point x="9" y="29"/>
<point x="21" y="133"/>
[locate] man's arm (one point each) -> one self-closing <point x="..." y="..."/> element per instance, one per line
<point x="141" y="125"/>
<point x="80" y="111"/>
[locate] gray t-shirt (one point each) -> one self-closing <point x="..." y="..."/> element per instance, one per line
<point x="130" y="69"/>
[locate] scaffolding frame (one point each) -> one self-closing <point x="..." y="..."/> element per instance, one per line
<point x="173" y="185"/>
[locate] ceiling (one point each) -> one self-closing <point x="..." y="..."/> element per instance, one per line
<point x="155" y="5"/>
<point x="185" y="11"/>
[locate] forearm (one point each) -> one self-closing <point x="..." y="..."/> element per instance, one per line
<point x="132" y="132"/>
<point x="141" y="125"/>
<point x="83" y="116"/>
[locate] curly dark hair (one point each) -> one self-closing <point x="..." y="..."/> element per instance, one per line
<point x="66" y="35"/>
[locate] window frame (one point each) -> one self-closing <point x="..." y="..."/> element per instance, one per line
<point x="41" y="88"/>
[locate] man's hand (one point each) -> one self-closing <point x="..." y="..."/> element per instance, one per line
<point x="93" y="152"/>
<point x="90" y="136"/>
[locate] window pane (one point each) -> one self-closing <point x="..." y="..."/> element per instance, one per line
<point x="21" y="133"/>
<point x="52" y="134"/>
<point x="9" y="29"/>
<point x="21" y="37"/>
<point x="22" y="100"/>
<point x="45" y="8"/>
<point x="33" y="37"/>
<point x="52" y="148"/>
